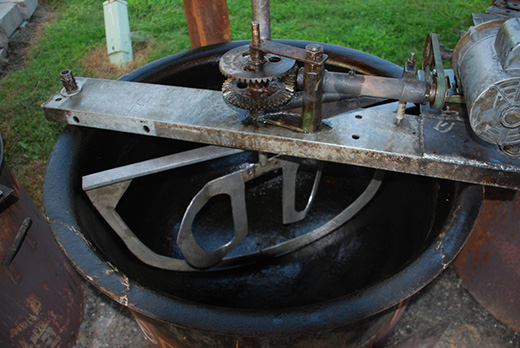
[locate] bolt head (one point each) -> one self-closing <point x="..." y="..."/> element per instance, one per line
<point x="314" y="52"/>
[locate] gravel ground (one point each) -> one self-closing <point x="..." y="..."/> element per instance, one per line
<point x="443" y="305"/>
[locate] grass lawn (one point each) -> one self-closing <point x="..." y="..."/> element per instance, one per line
<point x="74" y="39"/>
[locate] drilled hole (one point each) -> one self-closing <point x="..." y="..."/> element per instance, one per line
<point x="75" y="119"/>
<point x="275" y="59"/>
<point x="146" y="129"/>
<point x="355" y="136"/>
<point x="359" y="117"/>
<point x="242" y="85"/>
<point x="58" y="99"/>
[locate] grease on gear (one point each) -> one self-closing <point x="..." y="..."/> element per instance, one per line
<point x="259" y="96"/>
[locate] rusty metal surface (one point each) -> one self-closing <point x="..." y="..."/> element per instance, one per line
<point x="368" y="333"/>
<point x="41" y="297"/>
<point x="420" y="145"/>
<point x="208" y="22"/>
<point x="489" y="264"/>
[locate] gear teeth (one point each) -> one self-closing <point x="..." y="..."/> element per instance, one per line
<point x="277" y="93"/>
<point x="233" y="64"/>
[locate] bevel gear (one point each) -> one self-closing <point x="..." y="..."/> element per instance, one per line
<point x="260" y="96"/>
<point x="267" y="84"/>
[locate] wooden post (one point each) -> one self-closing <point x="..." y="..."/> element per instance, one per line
<point x="208" y="21"/>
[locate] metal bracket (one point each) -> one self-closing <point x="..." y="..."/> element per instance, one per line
<point x="365" y="137"/>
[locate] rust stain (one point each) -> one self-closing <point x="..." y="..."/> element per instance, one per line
<point x="34" y="304"/>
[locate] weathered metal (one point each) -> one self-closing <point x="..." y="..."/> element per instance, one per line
<point x="41" y="297"/>
<point x="339" y="289"/>
<point x="486" y="63"/>
<point x="261" y="13"/>
<point x="312" y="89"/>
<point x="489" y="264"/>
<point x="437" y="146"/>
<point x="106" y="189"/>
<point x="70" y="87"/>
<point x="208" y="22"/>
<point x="411" y="91"/>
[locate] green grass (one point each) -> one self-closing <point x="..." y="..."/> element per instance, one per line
<point x="389" y="29"/>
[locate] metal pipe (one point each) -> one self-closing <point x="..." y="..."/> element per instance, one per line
<point x="262" y="13"/>
<point x="411" y="91"/>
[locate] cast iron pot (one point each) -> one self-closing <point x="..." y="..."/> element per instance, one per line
<point x="338" y="291"/>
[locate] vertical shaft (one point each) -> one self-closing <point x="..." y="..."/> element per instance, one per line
<point x="312" y="89"/>
<point x="262" y="14"/>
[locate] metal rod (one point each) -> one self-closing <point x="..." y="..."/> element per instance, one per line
<point x="68" y="81"/>
<point x="312" y="89"/>
<point x="262" y="13"/>
<point x="17" y="243"/>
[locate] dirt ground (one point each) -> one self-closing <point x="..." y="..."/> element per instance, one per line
<point x="444" y="306"/>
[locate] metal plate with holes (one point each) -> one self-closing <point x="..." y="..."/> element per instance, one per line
<point x="436" y="147"/>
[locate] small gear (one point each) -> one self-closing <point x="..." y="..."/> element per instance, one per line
<point x="259" y="96"/>
<point x="235" y="64"/>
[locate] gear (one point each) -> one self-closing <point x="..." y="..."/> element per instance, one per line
<point x="259" y="96"/>
<point x="235" y="64"/>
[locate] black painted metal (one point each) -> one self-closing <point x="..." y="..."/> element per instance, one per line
<point x="344" y="282"/>
<point x="41" y="296"/>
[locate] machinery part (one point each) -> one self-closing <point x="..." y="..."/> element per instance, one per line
<point x="268" y="95"/>
<point x="70" y="86"/>
<point x="309" y="306"/>
<point x="488" y="264"/>
<point x="261" y="13"/>
<point x="236" y="64"/>
<point x="105" y="190"/>
<point x="312" y="88"/>
<point x="486" y="62"/>
<point x="411" y="91"/>
<point x="437" y="146"/>
<point x="434" y="72"/>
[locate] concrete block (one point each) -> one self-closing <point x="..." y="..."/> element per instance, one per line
<point x="26" y="7"/>
<point x="10" y="18"/>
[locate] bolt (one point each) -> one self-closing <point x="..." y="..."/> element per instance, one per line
<point x="69" y="82"/>
<point x="401" y="109"/>
<point x="314" y="52"/>
<point x="411" y="60"/>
